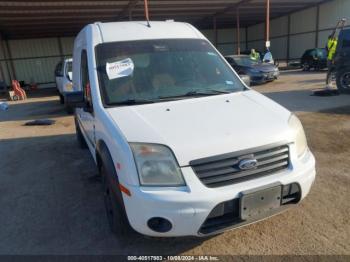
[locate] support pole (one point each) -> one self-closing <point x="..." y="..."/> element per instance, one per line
<point x="60" y="48"/>
<point x="288" y="38"/>
<point x="2" y="46"/>
<point x="317" y="25"/>
<point x="267" y="23"/>
<point x="13" y="75"/>
<point x="238" y="33"/>
<point x="246" y="38"/>
<point x="130" y="15"/>
<point x="147" y="12"/>
<point x="215" y="31"/>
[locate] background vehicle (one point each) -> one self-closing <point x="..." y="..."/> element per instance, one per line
<point x="314" y="59"/>
<point x="63" y="77"/>
<point x="342" y="62"/>
<point x="245" y="79"/>
<point x="184" y="148"/>
<point x="259" y="72"/>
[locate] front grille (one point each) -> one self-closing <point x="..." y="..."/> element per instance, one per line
<point x="224" y="170"/>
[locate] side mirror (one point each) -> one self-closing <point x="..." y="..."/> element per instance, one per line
<point x="75" y="99"/>
<point x="245" y="79"/>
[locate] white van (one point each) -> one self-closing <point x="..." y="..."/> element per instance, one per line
<point x="63" y="78"/>
<point x="183" y="146"/>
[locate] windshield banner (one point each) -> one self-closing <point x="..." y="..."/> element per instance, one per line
<point x="120" y="69"/>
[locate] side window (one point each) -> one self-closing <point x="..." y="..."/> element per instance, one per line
<point x="58" y="69"/>
<point x="346" y="38"/>
<point x="85" y="81"/>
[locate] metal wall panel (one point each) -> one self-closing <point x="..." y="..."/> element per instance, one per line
<point x="332" y="12"/>
<point x="226" y="41"/>
<point x="303" y="21"/>
<point x="279" y="47"/>
<point x="323" y="38"/>
<point x="6" y="77"/>
<point x="300" y="43"/>
<point x="278" y="27"/>
<point x="67" y="45"/>
<point x="209" y="34"/>
<point x="256" y="32"/>
<point x="39" y="70"/>
<point x="2" y="56"/>
<point x="29" y="48"/>
<point x="258" y="45"/>
<point x="229" y="49"/>
<point x="230" y="35"/>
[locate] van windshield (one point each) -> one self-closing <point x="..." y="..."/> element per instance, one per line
<point x="152" y="71"/>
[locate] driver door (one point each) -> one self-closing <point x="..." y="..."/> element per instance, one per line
<point x="86" y="115"/>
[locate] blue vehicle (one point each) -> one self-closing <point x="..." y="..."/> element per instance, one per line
<point x="259" y="72"/>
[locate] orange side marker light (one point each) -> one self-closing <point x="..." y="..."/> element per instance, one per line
<point x="124" y="190"/>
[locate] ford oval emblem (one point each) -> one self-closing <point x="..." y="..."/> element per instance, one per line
<point x="247" y="164"/>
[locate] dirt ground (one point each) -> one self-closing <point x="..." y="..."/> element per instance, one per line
<point x="51" y="200"/>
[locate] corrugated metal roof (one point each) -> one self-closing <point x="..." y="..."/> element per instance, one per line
<point x="40" y="18"/>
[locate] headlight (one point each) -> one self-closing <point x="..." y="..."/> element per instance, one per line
<point x="68" y="87"/>
<point x="300" y="138"/>
<point x="156" y="165"/>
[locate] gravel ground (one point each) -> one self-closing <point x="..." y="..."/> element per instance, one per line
<point x="51" y="200"/>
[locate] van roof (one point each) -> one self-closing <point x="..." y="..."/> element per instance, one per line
<point x="138" y="30"/>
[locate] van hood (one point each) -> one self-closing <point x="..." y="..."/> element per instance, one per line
<point x="207" y="126"/>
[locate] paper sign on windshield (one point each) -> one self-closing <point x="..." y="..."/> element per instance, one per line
<point x="120" y="69"/>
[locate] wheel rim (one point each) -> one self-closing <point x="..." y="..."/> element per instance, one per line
<point x="345" y="80"/>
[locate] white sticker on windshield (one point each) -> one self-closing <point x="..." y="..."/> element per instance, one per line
<point x="211" y="53"/>
<point x="120" y="69"/>
<point x="229" y="82"/>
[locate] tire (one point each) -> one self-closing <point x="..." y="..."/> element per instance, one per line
<point x="306" y="67"/>
<point x="69" y="110"/>
<point x="114" y="204"/>
<point x="61" y="99"/>
<point x="80" y="137"/>
<point x="343" y="80"/>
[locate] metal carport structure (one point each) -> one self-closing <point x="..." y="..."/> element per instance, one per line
<point x="57" y="22"/>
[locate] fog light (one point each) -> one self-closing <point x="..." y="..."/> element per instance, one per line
<point x="159" y="224"/>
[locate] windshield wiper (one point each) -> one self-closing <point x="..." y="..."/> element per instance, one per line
<point x="197" y="93"/>
<point x="131" y="102"/>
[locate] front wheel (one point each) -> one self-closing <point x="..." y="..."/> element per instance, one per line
<point x="343" y="81"/>
<point x="80" y="137"/>
<point x="114" y="205"/>
<point x="61" y="99"/>
<point x="306" y="67"/>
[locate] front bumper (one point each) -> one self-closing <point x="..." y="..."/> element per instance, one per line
<point x="264" y="77"/>
<point x="188" y="208"/>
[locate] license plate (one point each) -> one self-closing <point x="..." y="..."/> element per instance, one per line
<point x="260" y="203"/>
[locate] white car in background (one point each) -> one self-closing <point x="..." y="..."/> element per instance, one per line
<point x="183" y="146"/>
<point x="63" y="77"/>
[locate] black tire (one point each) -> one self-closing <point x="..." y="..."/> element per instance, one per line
<point x="69" y="109"/>
<point x="306" y="67"/>
<point x="114" y="204"/>
<point x="61" y="99"/>
<point x="343" y="81"/>
<point x="80" y="137"/>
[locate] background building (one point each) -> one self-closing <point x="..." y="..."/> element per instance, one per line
<point x="36" y="35"/>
